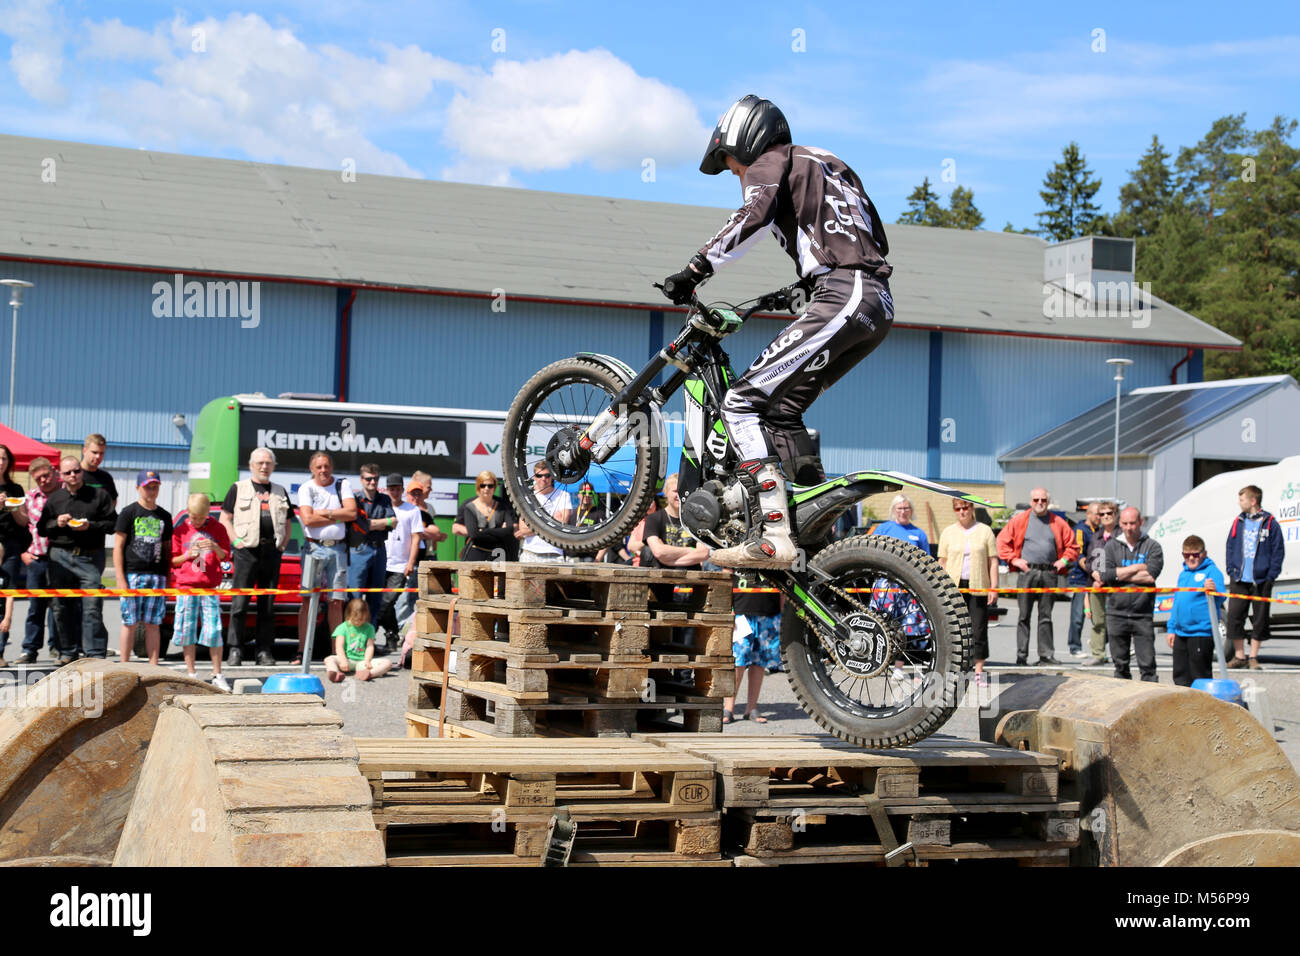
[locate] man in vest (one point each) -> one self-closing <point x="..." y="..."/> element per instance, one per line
<point x="256" y="516"/>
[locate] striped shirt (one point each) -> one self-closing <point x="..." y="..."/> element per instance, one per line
<point x="36" y="499"/>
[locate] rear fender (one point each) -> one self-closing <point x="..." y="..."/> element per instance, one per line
<point x="818" y="507"/>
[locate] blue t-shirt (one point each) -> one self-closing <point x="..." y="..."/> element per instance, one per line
<point x="904" y="532"/>
<point x="1249" y="545"/>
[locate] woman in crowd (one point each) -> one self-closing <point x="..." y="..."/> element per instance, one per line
<point x="969" y="553"/>
<point x="14" y="540"/>
<point x="486" y="523"/>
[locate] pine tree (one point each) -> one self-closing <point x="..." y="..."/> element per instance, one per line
<point x="923" y="207"/>
<point x="1146" y="195"/>
<point x="1068" y="190"/>
<point x="1253" y="290"/>
<point x="1204" y="169"/>
<point x="961" y="212"/>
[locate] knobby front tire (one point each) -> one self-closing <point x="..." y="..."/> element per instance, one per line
<point x="540" y="403"/>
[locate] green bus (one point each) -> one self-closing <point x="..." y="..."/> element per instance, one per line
<point x="451" y="444"/>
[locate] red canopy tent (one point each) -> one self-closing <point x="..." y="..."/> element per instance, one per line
<point x="25" y="449"/>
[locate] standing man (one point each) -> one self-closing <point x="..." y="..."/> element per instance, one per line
<point x="142" y="558"/>
<point x="92" y="456"/>
<point x="1040" y="545"/>
<point x="1254" y="561"/>
<point x="1079" y="576"/>
<point x="325" y="506"/>
<point x="417" y="493"/>
<point x="36" y="559"/>
<point x="255" y="516"/>
<point x="1132" y="560"/>
<point x="557" y="503"/>
<point x="1096" y="558"/>
<point x="403" y="551"/>
<point x="75" y="519"/>
<point x="367" y="534"/>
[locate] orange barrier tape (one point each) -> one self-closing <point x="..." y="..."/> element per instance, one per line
<point x="258" y="592"/>
<point x="177" y="592"/>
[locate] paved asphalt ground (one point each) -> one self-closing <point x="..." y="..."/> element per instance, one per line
<point x="376" y="709"/>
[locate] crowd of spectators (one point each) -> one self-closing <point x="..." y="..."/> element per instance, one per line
<point x="361" y="536"/>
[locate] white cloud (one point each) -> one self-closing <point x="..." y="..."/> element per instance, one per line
<point x="36" y="54"/>
<point x="242" y="86"/>
<point x="572" y="108"/>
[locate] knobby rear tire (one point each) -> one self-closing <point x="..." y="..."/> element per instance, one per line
<point x="517" y="470"/>
<point x="862" y="556"/>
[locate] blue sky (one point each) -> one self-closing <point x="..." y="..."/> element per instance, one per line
<point x="576" y="97"/>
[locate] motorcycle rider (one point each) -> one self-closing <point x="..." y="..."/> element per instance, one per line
<point x="821" y="214"/>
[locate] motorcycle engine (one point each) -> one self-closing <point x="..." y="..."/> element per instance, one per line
<point x="702" y="511"/>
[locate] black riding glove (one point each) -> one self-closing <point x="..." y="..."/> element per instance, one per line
<point x="680" y="286"/>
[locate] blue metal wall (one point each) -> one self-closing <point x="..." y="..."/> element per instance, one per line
<point x="1002" y="390"/>
<point x="457" y="353"/>
<point x="93" y="357"/>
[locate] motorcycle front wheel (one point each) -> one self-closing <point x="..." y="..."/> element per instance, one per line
<point x="545" y="420"/>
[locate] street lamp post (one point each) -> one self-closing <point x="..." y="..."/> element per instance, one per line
<point x="1119" y="364"/>
<point x="16" y="287"/>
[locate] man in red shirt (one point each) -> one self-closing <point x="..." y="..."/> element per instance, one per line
<point x="1041" y="546"/>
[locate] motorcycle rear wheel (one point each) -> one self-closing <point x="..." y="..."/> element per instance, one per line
<point x="926" y="614"/>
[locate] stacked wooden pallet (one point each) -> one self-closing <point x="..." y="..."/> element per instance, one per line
<point x="448" y="802"/>
<point x="569" y="650"/>
<point x="816" y="799"/>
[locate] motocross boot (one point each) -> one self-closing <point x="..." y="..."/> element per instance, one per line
<point x="771" y="542"/>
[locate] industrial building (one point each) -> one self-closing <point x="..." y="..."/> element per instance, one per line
<point x="163" y="281"/>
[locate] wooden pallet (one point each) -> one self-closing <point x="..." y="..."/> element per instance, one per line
<point x="489" y="802"/>
<point x="487" y="708"/>
<point x="551" y="629"/>
<point x="815" y="798"/>
<point x="605" y="587"/>
<point x="623" y="677"/>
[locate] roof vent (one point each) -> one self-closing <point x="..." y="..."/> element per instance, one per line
<point x="1096" y="268"/>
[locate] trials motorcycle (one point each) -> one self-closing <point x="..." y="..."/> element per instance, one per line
<point x="875" y="636"/>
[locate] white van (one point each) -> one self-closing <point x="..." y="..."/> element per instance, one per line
<point x="1208" y="509"/>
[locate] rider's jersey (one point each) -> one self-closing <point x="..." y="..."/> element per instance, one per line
<point x="816" y="207"/>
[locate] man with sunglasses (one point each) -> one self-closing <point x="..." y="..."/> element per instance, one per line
<point x="367" y="538"/>
<point x="556" y="503"/>
<point x="417" y="493"/>
<point x="1080" y="578"/>
<point x="403" y="552"/>
<point x="75" y="519"/>
<point x="1040" y="545"/>
<point x="1096" y="558"/>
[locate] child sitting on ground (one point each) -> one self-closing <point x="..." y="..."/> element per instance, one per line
<point x="354" y="646"/>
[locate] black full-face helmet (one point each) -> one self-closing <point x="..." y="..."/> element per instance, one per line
<point x="745" y="131"/>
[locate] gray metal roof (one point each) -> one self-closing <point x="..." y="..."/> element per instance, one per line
<point x="1149" y="419"/>
<point x="163" y="211"/>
